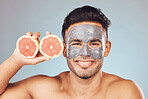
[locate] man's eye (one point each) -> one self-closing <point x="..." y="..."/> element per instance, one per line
<point x="94" y="44"/>
<point x="76" y="44"/>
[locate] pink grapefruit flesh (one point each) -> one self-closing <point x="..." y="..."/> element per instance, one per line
<point x="27" y="46"/>
<point x="51" y="46"/>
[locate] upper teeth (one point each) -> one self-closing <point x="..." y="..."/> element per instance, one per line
<point x="85" y="62"/>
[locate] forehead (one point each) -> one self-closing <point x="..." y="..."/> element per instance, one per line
<point x="85" y="30"/>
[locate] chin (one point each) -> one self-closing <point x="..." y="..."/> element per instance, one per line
<point x="86" y="74"/>
<point x="85" y="77"/>
<point x="85" y="69"/>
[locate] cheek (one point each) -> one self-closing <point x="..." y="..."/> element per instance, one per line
<point x="72" y="52"/>
<point x="97" y="53"/>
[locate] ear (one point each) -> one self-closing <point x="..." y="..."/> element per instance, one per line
<point x="107" y="48"/>
<point x="64" y="50"/>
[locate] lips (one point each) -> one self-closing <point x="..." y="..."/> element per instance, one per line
<point x="84" y="63"/>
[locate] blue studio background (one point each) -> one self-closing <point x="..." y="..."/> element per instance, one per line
<point x="128" y="34"/>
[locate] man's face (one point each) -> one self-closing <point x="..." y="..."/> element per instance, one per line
<point x="85" y="46"/>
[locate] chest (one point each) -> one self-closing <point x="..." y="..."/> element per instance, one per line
<point x="64" y="95"/>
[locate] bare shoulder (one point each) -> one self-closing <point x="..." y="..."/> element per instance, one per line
<point x="41" y="79"/>
<point x="33" y="87"/>
<point x="123" y="88"/>
<point x="21" y="89"/>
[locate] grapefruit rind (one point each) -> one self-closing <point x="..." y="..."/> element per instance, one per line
<point x="35" y="41"/>
<point x="61" y="44"/>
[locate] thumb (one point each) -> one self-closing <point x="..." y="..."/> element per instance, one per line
<point x="41" y="59"/>
<point x="38" y="60"/>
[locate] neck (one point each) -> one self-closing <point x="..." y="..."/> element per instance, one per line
<point x="83" y="87"/>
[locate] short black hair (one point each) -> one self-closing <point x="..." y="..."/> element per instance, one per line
<point x="85" y="13"/>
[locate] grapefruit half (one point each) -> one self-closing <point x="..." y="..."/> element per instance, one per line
<point x="27" y="46"/>
<point x="51" y="46"/>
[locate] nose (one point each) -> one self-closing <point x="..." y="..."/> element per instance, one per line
<point x="85" y="51"/>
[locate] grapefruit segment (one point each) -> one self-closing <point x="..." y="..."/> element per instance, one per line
<point x="27" y="46"/>
<point x="51" y="46"/>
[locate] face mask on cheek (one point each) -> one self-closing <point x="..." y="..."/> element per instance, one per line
<point x="85" y="32"/>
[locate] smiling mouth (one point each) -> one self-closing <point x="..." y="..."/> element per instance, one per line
<point x="84" y="63"/>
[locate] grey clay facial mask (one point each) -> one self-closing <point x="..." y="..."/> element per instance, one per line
<point x="85" y="33"/>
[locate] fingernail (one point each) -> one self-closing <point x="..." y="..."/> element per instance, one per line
<point x="48" y="59"/>
<point x="35" y="36"/>
<point x="48" y="32"/>
<point x="28" y="33"/>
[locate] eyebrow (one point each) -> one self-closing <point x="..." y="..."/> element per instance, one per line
<point x="75" y="40"/>
<point x="95" y="40"/>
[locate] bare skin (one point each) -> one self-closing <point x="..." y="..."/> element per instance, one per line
<point x="66" y="85"/>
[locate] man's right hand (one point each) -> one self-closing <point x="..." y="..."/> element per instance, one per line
<point x="20" y="61"/>
<point x="15" y="62"/>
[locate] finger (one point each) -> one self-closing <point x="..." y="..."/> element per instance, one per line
<point x="36" y="35"/>
<point x="39" y="60"/>
<point x="48" y="33"/>
<point x="43" y="58"/>
<point x="29" y="33"/>
<point x="47" y="58"/>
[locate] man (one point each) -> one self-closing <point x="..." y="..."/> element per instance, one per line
<point x="85" y="46"/>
